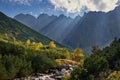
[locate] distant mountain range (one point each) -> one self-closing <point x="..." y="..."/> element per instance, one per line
<point x="94" y="28"/>
<point x="21" y="32"/>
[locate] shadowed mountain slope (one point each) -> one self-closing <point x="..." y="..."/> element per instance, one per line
<point x="94" y="28"/>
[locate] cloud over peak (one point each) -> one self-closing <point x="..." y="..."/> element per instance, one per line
<point x="76" y="6"/>
<point x="70" y="8"/>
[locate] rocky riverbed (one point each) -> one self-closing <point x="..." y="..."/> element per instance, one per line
<point x="55" y="74"/>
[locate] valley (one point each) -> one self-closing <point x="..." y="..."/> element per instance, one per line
<point x="94" y="28"/>
<point x="59" y="39"/>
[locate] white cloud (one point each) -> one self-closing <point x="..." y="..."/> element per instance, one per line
<point x="35" y="15"/>
<point x="25" y="2"/>
<point x="77" y="6"/>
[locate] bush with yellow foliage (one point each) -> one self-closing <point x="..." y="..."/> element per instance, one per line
<point x="27" y="43"/>
<point x="36" y="46"/>
<point x="52" y="44"/>
<point x="78" y="55"/>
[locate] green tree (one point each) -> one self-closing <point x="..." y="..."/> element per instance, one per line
<point x="3" y="72"/>
<point x="26" y="67"/>
<point x="40" y="62"/>
<point x="95" y="65"/>
<point x="95" y="50"/>
<point x="12" y="65"/>
<point x="79" y="73"/>
<point x="66" y="54"/>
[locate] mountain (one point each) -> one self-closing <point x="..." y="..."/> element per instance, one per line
<point x="94" y="28"/>
<point x="35" y="23"/>
<point x="51" y="26"/>
<point x="57" y="28"/>
<point x="16" y="29"/>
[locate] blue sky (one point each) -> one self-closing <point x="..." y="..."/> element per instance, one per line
<point x="34" y="8"/>
<point x="55" y="7"/>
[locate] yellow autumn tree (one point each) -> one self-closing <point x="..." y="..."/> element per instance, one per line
<point x="52" y="44"/>
<point x="37" y="46"/>
<point x="27" y="43"/>
<point x="78" y="55"/>
<point x="66" y="53"/>
<point x="14" y="40"/>
<point x="78" y="52"/>
<point x="40" y="44"/>
<point x="6" y="36"/>
<point x="33" y="43"/>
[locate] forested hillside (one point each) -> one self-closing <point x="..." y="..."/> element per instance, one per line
<point x="21" y="32"/>
<point x="101" y="64"/>
<point x="21" y="59"/>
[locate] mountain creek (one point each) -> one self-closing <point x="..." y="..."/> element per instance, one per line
<point x="54" y="73"/>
